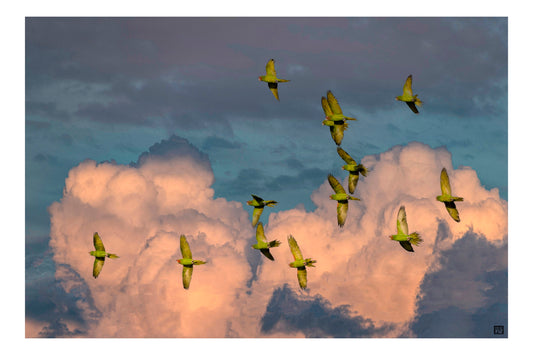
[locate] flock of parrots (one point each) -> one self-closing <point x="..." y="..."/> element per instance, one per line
<point x="336" y="121"/>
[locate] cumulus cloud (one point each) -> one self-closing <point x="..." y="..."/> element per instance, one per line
<point x="363" y="284"/>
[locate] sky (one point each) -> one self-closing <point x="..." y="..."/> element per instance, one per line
<point x="145" y="129"/>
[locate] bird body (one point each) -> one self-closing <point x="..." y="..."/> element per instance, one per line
<point x="187" y="261"/>
<point x="407" y="96"/>
<point x="446" y="197"/>
<point x="100" y="254"/>
<point x="341" y="197"/>
<point x="258" y="203"/>
<point x="272" y="79"/>
<point x="335" y="112"/>
<point x="299" y="262"/>
<point x="353" y="168"/>
<point x="403" y="237"/>
<point x="262" y="244"/>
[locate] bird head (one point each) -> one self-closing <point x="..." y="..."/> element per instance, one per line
<point x="397" y="98"/>
<point x="260" y="77"/>
<point x="249" y="203"/>
<point x="391" y="237"/>
<point x="179" y="261"/>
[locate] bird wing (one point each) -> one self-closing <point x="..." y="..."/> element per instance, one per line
<point x="345" y="156"/>
<point x="256" y="214"/>
<point x="445" y="183"/>
<point x="260" y="233"/>
<point x="187" y="276"/>
<point x="274" y="89"/>
<point x="352" y="182"/>
<point x="270" y="68"/>
<point x="98" y="265"/>
<point x="185" y="249"/>
<point x="336" y="185"/>
<point x="452" y="210"/>
<point x="406" y="245"/>
<point x="401" y="223"/>
<point x="337" y="133"/>
<point x="333" y="103"/>
<point x="407" y="87"/>
<point x="342" y="212"/>
<point x="325" y="107"/>
<point x="266" y="252"/>
<point x="302" y="277"/>
<point x="295" y="250"/>
<point x="97" y="241"/>
<point x="412" y="106"/>
<point x="257" y="198"/>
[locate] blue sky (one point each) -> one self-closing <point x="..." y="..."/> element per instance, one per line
<point x="110" y="89"/>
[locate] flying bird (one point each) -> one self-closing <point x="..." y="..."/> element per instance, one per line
<point x="336" y="128"/>
<point x="272" y="79"/>
<point x="262" y="244"/>
<point x="99" y="255"/>
<point x="187" y="261"/>
<point x="341" y="197"/>
<point x="408" y="97"/>
<point x="403" y="235"/>
<point x="337" y="114"/>
<point x="353" y="168"/>
<point x="258" y="203"/>
<point x="299" y="262"/>
<point x="446" y="197"/>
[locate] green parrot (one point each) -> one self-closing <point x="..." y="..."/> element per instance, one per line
<point x="299" y="262"/>
<point x="342" y="199"/>
<point x="272" y="79"/>
<point x="259" y="204"/>
<point x="99" y="255"/>
<point x="447" y="197"/>
<point x="353" y="168"/>
<point x="336" y="128"/>
<point x="408" y="97"/>
<point x="337" y="114"/>
<point x="187" y="261"/>
<point x="403" y="235"/>
<point x="262" y="243"/>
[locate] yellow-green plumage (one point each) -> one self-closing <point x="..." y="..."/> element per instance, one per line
<point x="262" y="244"/>
<point x="446" y="197"/>
<point x="403" y="237"/>
<point x="271" y="78"/>
<point x="353" y="168"/>
<point x="342" y="199"/>
<point x="187" y="261"/>
<point x="299" y="262"/>
<point x="407" y="95"/>
<point x="258" y="204"/>
<point x="99" y="255"/>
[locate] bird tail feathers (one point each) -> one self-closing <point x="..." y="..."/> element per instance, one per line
<point x="415" y="238"/>
<point x="274" y="243"/>
<point x="112" y="256"/>
<point x="310" y="262"/>
<point x="283" y="80"/>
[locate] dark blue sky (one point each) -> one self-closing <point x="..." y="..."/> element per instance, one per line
<point x="108" y="89"/>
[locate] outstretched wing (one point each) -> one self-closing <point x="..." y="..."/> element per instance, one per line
<point x="445" y="183"/>
<point x="257" y="198"/>
<point x="336" y="185"/>
<point x="333" y="103"/>
<point x="412" y="106"/>
<point x="187" y="276"/>
<point x="256" y="214"/>
<point x="345" y="156"/>
<point x="407" y="87"/>
<point x="185" y="249"/>
<point x="274" y="89"/>
<point x="266" y="252"/>
<point x="270" y="68"/>
<point x="406" y="245"/>
<point x="295" y="250"/>
<point x="260" y="233"/>
<point x="401" y="223"/>
<point x="342" y="212"/>
<point x="302" y="277"/>
<point x="352" y="182"/>
<point x="98" y="265"/>
<point x="452" y="210"/>
<point x="326" y="108"/>
<point x="337" y="133"/>
<point x="97" y="241"/>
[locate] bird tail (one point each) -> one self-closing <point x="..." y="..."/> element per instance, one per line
<point x="418" y="101"/>
<point x="112" y="256"/>
<point x="309" y="262"/>
<point x="283" y="80"/>
<point x="415" y="238"/>
<point x="274" y="243"/>
<point x="351" y="118"/>
<point x="198" y="262"/>
<point x="270" y="203"/>
<point x="457" y="198"/>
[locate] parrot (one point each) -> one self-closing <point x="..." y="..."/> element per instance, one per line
<point x="262" y="244"/>
<point x="408" y="97"/>
<point x="353" y="168"/>
<point x="337" y="114"/>
<point x="446" y="197"/>
<point x="336" y="128"/>
<point x="187" y="261"/>
<point x="99" y="255"/>
<point x="299" y="262"/>
<point x="259" y="204"/>
<point x="272" y="79"/>
<point x="342" y="199"/>
<point x="403" y="235"/>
